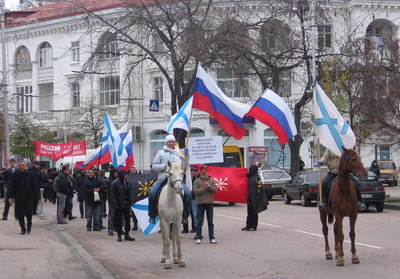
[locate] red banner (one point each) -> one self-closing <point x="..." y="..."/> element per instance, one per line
<point x="231" y="183"/>
<point x="58" y="150"/>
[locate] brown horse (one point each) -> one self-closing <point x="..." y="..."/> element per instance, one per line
<point x="343" y="203"/>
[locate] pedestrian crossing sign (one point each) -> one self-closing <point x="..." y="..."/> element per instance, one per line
<point x="154" y="105"/>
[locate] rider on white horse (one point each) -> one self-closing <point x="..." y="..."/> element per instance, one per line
<point x="172" y="154"/>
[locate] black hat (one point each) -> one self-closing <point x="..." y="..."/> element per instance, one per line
<point x="193" y="168"/>
<point x="36" y="163"/>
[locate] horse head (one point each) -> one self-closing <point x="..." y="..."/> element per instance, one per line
<point x="350" y="162"/>
<point x="175" y="176"/>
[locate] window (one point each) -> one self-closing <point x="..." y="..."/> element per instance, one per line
<point x="157" y="43"/>
<point x="108" y="46"/>
<point x="45" y="55"/>
<point x="158" y="89"/>
<point x="324" y="36"/>
<point x="279" y="156"/>
<point x="384" y="152"/>
<point x="285" y="86"/>
<point x="75" y="51"/>
<point x="109" y="91"/>
<point x="231" y="85"/>
<point x="156" y="142"/>
<point x="24" y="98"/>
<point x="275" y="36"/>
<point x="196" y="132"/>
<point x="23" y="60"/>
<point x="76" y="93"/>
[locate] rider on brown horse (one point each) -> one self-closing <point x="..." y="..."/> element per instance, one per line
<point x="332" y="161"/>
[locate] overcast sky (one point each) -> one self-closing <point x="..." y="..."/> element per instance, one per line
<point x="12" y="4"/>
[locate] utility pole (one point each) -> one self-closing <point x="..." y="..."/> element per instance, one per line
<point x="6" y="153"/>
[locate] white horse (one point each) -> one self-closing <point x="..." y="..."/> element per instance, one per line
<point x="170" y="208"/>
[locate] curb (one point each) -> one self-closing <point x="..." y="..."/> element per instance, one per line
<point x="95" y="268"/>
<point x="392" y="205"/>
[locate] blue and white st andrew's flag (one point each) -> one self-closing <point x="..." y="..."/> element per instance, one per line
<point x="330" y="128"/>
<point x="141" y="209"/>
<point x="116" y="145"/>
<point x="181" y="119"/>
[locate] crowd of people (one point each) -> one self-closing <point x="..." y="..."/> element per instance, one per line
<point x="95" y="192"/>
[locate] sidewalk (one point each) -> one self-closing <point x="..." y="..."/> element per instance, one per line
<point x="47" y="252"/>
<point x="392" y="192"/>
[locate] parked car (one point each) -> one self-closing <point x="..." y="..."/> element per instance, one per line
<point x="389" y="172"/>
<point x="303" y="187"/>
<point x="273" y="181"/>
<point x="373" y="192"/>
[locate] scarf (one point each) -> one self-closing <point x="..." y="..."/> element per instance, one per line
<point x="174" y="151"/>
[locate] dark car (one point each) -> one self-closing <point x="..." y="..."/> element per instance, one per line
<point x="273" y="181"/>
<point x="373" y="192"/>
<point x="303" y="187"/>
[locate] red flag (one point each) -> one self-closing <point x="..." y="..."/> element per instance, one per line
<point x="66" y="150"/>
<point x="79" y="148"/>
<point x="231" y="183"/>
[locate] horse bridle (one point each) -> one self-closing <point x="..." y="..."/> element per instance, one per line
<point x="173" y="183"/>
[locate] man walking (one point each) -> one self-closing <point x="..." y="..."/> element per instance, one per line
<point x="23" y="190"/>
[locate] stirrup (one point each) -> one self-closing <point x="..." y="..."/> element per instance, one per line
<point x="321" y="205"/>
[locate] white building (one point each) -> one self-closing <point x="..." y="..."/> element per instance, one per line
<point x="48" y="46"/>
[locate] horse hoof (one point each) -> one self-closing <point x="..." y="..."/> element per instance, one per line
<point x="182" y="264"/>
<point x="176" y="261"/>
<point x="340" y="263"/>
<point x="355" y="261"/>
<point x="329" y="256"/>
<point x="167" y="266"/>
<point x="163" y="260"/>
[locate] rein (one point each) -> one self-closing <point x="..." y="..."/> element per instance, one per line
<point x="171" y="184"/>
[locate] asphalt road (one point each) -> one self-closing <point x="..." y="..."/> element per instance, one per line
<point x="287" y="244"/>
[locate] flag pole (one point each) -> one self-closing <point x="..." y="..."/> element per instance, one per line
<point x="319" y="172"/>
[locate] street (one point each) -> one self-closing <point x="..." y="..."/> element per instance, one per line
<point x="287" y="244"/>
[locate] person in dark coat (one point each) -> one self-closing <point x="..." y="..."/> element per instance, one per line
<point x="35" y="169"/>
<point x="7" y="174"/>
<point x="375" y="168"/>
<point x="120" y="197"/>
<point x="81" y="194"/>
<point x="23" y="190"/>
<point x="253" y="199"/>
<point x="61" y="182"/>
<point x="111" y="209"/>
<point x="92" y="185"/>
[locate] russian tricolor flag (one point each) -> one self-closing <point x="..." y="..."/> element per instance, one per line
<point x="274" y="112"/>
<point x="209" y="98"/>
<point x="128" y="143"/>
<point x="102" y="153"/>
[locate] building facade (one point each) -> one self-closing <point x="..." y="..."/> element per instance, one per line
<point x="49" y="48"/>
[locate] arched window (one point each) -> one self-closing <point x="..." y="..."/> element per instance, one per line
<point x="108" y="46"/>
<point x="23" y="59"/>
<point x="223" y="134"/>
<point x="278" y="156"/>
<point x="157" y="138"/>
<point x="195" y="132"/>
<point x="45" y="55"/>
<point x="380" y="39"/>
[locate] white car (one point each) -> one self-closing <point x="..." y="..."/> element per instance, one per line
<point x="273" y="181"/>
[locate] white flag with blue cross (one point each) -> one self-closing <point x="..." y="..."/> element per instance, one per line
<point x="330" y="128"/>
<point x="181" y="119"/>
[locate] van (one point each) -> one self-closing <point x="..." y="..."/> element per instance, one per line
<point x="233" y="157"/>
<point x="389" y="174"/>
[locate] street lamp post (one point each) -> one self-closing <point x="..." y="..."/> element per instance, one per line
<point x="4" y="85"/>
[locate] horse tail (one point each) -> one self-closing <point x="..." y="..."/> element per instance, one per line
<point x="330" y="218"/>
